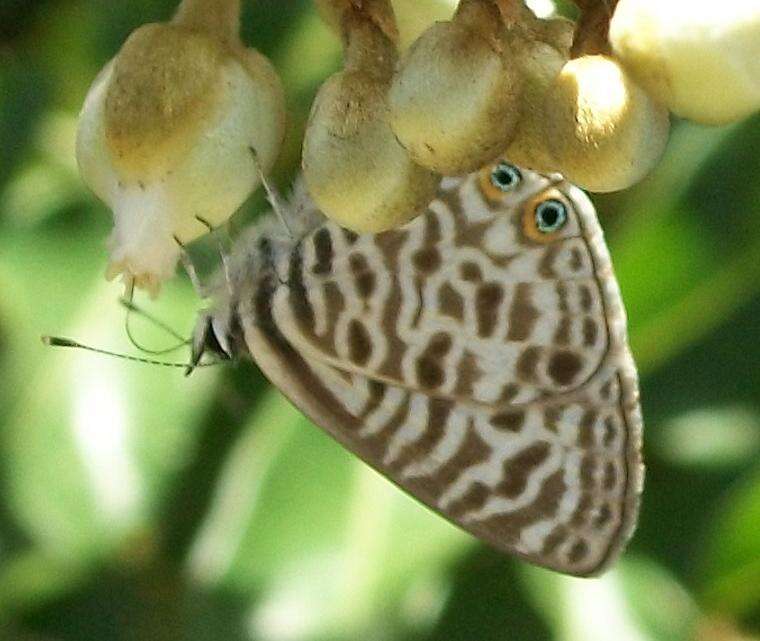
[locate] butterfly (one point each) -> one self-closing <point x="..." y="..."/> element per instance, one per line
<point x="477" y="357"/>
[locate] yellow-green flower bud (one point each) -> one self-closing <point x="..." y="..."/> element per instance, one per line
<point x="540" y="56"/>
<point x="455" y="100"/>
<point x="166" y="136"/>
<point x="356" y="170"/>
<point x="701" y="59"/>
<point x="605" y="132"/>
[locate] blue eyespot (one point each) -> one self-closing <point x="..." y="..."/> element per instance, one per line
<point x="505" y="176"/>
<point x="551" y="215"/>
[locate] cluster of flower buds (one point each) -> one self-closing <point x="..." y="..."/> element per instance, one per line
<point x="175" y="134"/>
<point x="181" y="124"/>
<point x="589" y="100"/>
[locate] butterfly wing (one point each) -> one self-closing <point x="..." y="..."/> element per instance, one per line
<point x="534" y="460"/>
<point x="460" y="303"/>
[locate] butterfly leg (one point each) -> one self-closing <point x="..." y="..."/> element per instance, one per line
<point x="274" y="198"/>
<point x="187" y="263"/>
<point x="223" y="253"/>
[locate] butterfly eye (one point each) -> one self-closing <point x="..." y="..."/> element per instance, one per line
<point x="505" y="176"/>
<point x="551" y="215"/>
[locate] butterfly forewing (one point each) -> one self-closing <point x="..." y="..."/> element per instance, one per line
<point x="482" y="369"/>
<point x="457" y="304"/>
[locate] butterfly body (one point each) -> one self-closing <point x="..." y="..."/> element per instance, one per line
<point x="477" y="357"/>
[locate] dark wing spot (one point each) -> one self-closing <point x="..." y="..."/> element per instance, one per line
<point x="546" y="264"/>
<point x="561" y="289"/>
<point x="439" y="345"/>
<point x="365" y="284"/>
<point x="357" y="262"/>
<point x="578" y="552"/>
<point x="468" y="373"/>
<point x="509" y="392"/>
<point x="472" y="499"/>
<point x="527" y="363"/>
<point x="299" y="301"/>
<point x="487" y="301"/>
<point x="564" y="367"/>
<point x="576" y="260"/>
<point x="610" y="430"/>
<point x="610" y="476"/>
<point x="377" y="392"/>
<point x="590" y="331"/>
<point x="586" y="429"/>
<point x="587" y="299"/>
<point x="509" y="526"/>
<point x="602" y="517"/>
<point x="471" y="272"/>
<point x="510" y="421"/>
<point x="450" y="302"/>
<point x="580" y="514"/>
<point x="359" y="342"/>
<point x="427" y="260"/>
<point x="518" y="469"/>
<point x="556" y="537"/>
<point x="562" y="335"/>
<point x="552" y="416"/>
<point x="323" y="250"/>
<point x="522" y="314"/>
<point x="430" y="372"/>
<point x="588" y="471"/>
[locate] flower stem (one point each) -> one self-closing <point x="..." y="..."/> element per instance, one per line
<point x="218" y="18"/>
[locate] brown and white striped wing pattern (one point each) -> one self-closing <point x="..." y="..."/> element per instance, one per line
<point x="481" y="367"/>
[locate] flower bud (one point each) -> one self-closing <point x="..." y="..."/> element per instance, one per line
<point x="166" y="136"/>
<point x="605" y="132"/>
<point x="540" y="56"/>
<point x="701" y="59"/>
<point x="355" y="168"/>
<point x="455" y="100"/>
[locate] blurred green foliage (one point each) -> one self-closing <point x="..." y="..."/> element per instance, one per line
<point x="136" y="504"/>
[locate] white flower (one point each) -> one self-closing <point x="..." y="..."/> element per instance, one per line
<point x="166" y="137"/>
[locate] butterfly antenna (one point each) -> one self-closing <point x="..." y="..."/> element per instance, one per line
<point x="131" y="308"/>
<point x="57" y="341"/>
<point x="272" y="195"/>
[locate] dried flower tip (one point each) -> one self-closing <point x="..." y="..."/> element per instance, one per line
<point x="377" y="12"/>
<point x="605" y="132"/>
<point x="701" y="59"/>
<point x="455" y="100"/>
<point x="170" y="119"/>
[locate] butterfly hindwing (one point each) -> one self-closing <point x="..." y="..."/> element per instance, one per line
<point x="554" y="483"/>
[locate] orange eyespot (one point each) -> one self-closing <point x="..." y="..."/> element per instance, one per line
<point x="545" y="215"/>
<point x="499" y="179"/>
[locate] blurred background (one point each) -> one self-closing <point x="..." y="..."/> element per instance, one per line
<point x="136" y="504"/>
